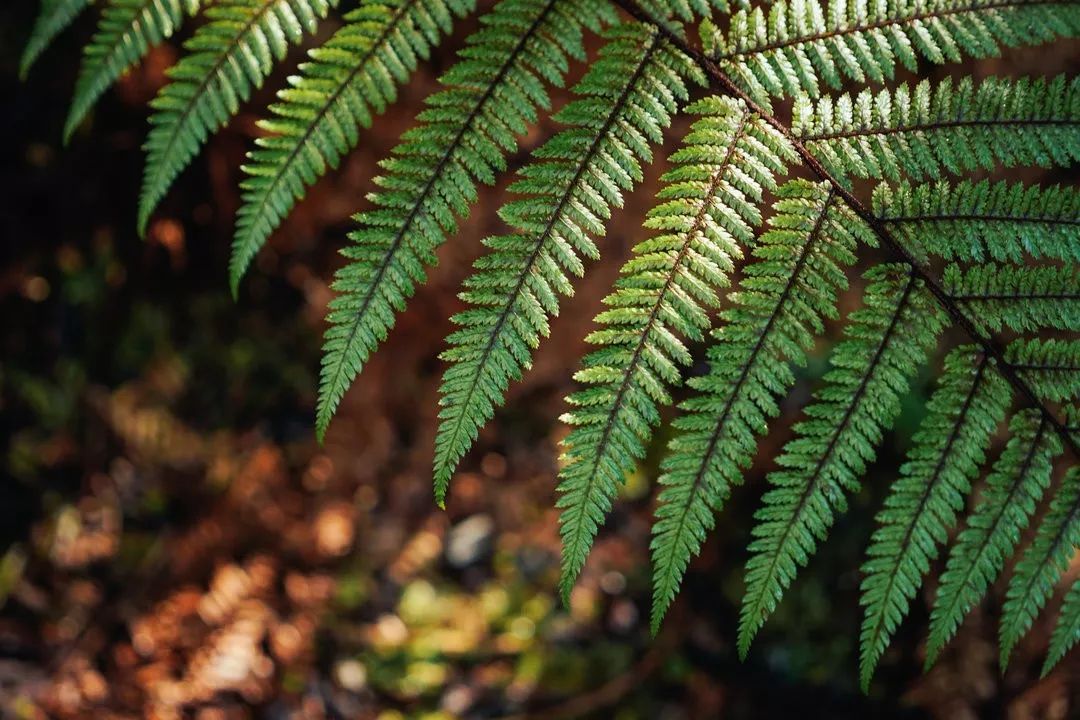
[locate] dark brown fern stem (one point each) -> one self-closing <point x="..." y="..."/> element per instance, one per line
<point x="991" y="347"/>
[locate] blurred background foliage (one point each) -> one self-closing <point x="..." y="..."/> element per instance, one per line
<point x="175" y="544"/>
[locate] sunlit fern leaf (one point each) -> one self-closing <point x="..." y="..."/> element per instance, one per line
<point x="948" y="127"/>
<point x="885" y="343"/>
<point x="1067" y="631"/>
<point x="53" y="17"/>
<point x="347" y="81"/>
<point x="228" y="59"/>
<point x="789" y="288"/>
<point x="947" y="451"/>
<point x="1015" y="484"/>
<point x="1050" y="366"/>
<point x="126" y="32"/>
<point x="1042" y="564"/>
<point x="971" y="221"/>
<point x="467" y="130"/>
<point x="578" y="177"/>
<point x="684" y="10"/>
<point x="797" y="46"/>
<point x="665" y="293"/>
<point x="1022" y="298"/>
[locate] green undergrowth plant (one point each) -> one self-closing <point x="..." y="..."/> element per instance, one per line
<point x="807" y="168"/>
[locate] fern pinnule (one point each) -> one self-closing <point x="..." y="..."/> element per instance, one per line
<point x="928" y="130"/>
<point x="947" y="452"/>
<point x="978" y="221"/>
<point x="345" y="82"/>
<point x="1050" y="366"/>
<point x="1015" y="484"/>
<point x="53" y="17"/>
<point x="796" y="46"/>
<point x="1066" y="631"/>
<point x="578" y="177"/>
<point x="885" y="343"/>
<point x="1020" y="297"/>
<point x="228" y="59"/>
<point x="126" y="32"/>
<point x="788" y="289"/>
<point x="1042" y="564"/>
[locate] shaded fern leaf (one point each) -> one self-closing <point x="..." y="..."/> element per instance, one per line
<point x="1067" y="631"/>
<point x="972" y="221"/>
<point x="317" y="120"/>
<point x="624" y="104"/>
<point x="466" y="132"/>
<point x="1023" y="298"/>
<point x="1042" y="564"/>
<point x="228" y="59"/>
<point x="53" y="18"/>
<point x="707" y="213"/>
<point x="126" y="32"/>
<point x="885" y="343"/>
<point x="926" y="131"/>
<point x="1051" y="367"/>
<point x="787" y="292"/>
<point x="1018" y="479"/>
<point x="921" y="509"/>
<point x="796" y="46"/>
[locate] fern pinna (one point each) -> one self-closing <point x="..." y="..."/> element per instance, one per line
<point x="764" y="218"/>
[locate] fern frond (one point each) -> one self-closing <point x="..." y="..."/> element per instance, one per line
<point x="707" y="213"/>
<point x="946" y="454"/>
<point x="1023" y="298"/>
<point x="467" y="131"/>
<point x="783" y="299"/>
<point x="1042" y="564"/>
<point x="53" y="18"/>
<point x="885" y="343"/>
<point x="927" y="130"/>
<point x="1067" y="631"/>
<point x="1018" y="479"/>
<point x="1051" y="367"/>
<point x="228" y="59"/>
<point x="976" y="221"/>
<point x="797" y="45"/>
<point x="624" y="104"/>
<point x="317" y="120"/>
<point x="126" y="32"/>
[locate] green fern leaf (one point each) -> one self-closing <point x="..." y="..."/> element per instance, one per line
<point x="1023" y="298"/>
<point x="316" y="122"/>
<point x="228" y="59"/>
<point x="580" y="174"/>
<point x="665" y="292"/>
<point x="467" y="131"/>
<point x="1066" y="632"/>
<point x="52" y="19"/>
<point x="885" y="344"/>
<point x="126" y="32"/>
<point x="780" y="308"/>
<point x="1042" y="564"/>
<point x="1050" y="367"/>
<point x="795" y="46"/>
<point x="956" y="128"/>
<point x="947" y="452"/>
<point x="979" y="221"/>
<point x="1013" y="488"/>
